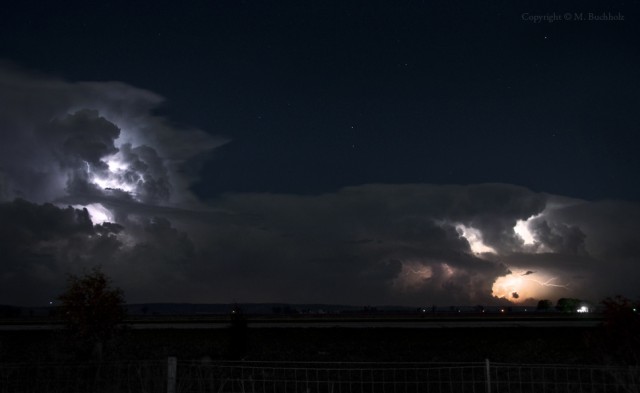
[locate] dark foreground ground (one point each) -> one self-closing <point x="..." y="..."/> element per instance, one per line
<point x="576" y="345"/>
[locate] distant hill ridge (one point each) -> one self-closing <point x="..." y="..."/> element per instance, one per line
<point x="187" y="309"/>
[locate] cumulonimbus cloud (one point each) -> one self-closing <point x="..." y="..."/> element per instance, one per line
<point x="52" y="131"/>
<point x="101" y="180"/>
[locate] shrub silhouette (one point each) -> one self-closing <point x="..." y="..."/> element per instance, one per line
<point x="91" y="309"/>
<point x="622" y="329"/>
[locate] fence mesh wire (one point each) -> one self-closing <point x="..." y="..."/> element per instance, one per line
<point x="148" y="376"/>
<point x="563" y="378"/>
<point x="330" y="378"/>
<point x="290" y="377"/>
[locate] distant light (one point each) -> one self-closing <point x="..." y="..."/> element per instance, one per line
<point x="50" y="303"/>
<point x="502" y="310"/>
<point x="583" y="309"/>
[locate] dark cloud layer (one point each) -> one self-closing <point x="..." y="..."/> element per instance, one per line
<point x="344" y="247"/>
<point x="119" y="177"/>
<point x="73" y="143"/>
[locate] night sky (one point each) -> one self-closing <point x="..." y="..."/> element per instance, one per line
<point x="355" y="152"/>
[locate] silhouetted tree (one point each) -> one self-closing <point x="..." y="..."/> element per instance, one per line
<point x="91" y="309"/>
<point x="622" y="329"/>
<point x="568" y="305"/>
<point x="618" y="338"/>
<point x="544" y="305"/>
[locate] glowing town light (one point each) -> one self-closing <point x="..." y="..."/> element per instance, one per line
<point x="474" y="237"/>
<point x="583" y="309"/>
<point x="522" y="230"/>
<point x="97" y="212"/>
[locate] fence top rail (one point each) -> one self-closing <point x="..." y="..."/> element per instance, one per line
<point x="565" y="365"/>
<point x="328" y="369"/>
<point x="390" y="366"/>
<point x="105" y="363"/>
<point x="291" y="365"/>
<point x="317" y="363"/>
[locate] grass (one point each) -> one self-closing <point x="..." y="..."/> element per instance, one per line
<point x="521" y="345"/>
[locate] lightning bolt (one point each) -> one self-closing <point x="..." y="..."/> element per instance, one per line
<point x="549" y="283"/>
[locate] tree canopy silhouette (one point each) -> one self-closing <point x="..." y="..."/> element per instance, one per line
<point x="91" y="308"/>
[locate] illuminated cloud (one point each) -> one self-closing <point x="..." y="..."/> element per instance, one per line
<point x="474" y="237"/>
<point x="97" y="212"/>
<point x="101" y="180"/>
<point x="57" y="135"/>
<point x="413" y="276"/>
<point x="519" y="286"/>
<point x="524" y="232"/>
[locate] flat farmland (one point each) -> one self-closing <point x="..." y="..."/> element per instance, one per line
<point x="346" y="340"/>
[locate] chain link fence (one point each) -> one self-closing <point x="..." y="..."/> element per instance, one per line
<point x="295" y="377"/>
<point x="148" y="376"/>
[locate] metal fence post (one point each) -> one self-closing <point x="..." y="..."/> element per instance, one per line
<point x="172" y="365"/>
<point x="487" y="367"/>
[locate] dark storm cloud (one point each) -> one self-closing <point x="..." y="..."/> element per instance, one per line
<point x="297" y="248"/>
<point x="368" y="244"/>
<point x="32" y="239"/>
<point x="49" y="128"/>
<point x="611" y="227"/>
<point x="24" y="222"/>
<point x="4" y="186"/>
<point x="81" y="138"/>
<point x="41" y="244"/>
<point x="363" y="245"/>
<point x="146" y="167"/>
<point x="559" y="237"/>
<point x="398" y="243"/>
<point x="57" y="143"/>
<point x="373" y="238"/>
<point x="611" y="238"/>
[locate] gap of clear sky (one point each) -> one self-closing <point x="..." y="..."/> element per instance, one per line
<point x="315" y="96"/>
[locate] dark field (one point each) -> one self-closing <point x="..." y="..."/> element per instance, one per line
<point x="516" y="345"/>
